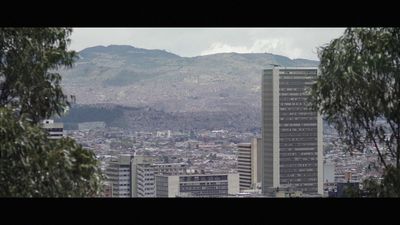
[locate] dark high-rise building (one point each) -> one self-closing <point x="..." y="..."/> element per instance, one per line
<point x="291" y="131"/>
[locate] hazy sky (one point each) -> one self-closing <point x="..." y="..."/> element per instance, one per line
<point x="290" y="42"/>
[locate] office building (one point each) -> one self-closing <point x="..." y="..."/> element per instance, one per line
<point x="143" y="180"/>
<point x="197" y="185"/>
<point x="54" y="130"/>
<point x="119" y="174"/>
<point x="144" y="171"/>
<point x="291" y="131"/>
<point x="249" y="164"/>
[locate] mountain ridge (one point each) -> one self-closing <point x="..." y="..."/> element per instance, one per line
<point x="136" y="77"/>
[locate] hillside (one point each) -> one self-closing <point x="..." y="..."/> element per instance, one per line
<point x="135" y="77"/>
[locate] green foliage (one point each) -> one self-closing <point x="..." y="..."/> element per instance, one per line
<point x="33" y="166"/>
<point x="30" y="164"/>
<point x="359" y="89"/>
<point x="352" y="192"/>
<point x="389" y="186"/>
<point x="29" y="58"/>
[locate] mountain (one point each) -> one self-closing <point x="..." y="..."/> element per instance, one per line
<point x="134" y="77"/>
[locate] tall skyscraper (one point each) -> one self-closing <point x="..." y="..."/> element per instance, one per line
<point x="249" y="164"/>
<point x="291" y="131"/>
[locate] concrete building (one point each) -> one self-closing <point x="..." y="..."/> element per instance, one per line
<point x="54" y="130"/>
<point x="143" y="180"/>
<point x="197" y="185"/>
<point x="249" y="164"/>
<point x="291" y="131"/>
<point x="144" y="171"/>
<point x="119" y="174"/>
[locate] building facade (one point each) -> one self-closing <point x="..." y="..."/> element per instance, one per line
<point x="291" y="131"/>
<point x="54" y="130"/>
<point x="144" y="171"/>
<point x="143" y="180"/>
<point x="249" y="164"/>
<point x="197" y="185"/>
<point x="119" y="174"/>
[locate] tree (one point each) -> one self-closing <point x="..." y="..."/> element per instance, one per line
<point x="388" y="186"/>
<point x="359" y="90"/>
<point x="33" y="166"/>
<point x="30" y="164"/>
<point x="29" y="58"/>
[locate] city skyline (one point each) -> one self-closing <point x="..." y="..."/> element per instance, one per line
<point x="148" y="123"/>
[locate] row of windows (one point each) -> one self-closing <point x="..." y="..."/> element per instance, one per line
<point x="205" y="184"/>
<point x="295" y="165"/>
<point x="206" y="188"/>
<point x="295" y="94"/>
<point x="297" y="159"/>
<point x="292" y="89"/>
<point x="203" y="178"/>
<point x="299" y="144"/>
<point x="281" y="104"/>
<point x="305" y="114"/>
<point x="54" y="129"/>
<point x="290" y="154"/>
<point x="296" y="109"/>
<point x="297" y="139"/>
<point x="308" y="172"/>
<point x="291" y="98"/>
<point x="298" y="180"/>
<point x="291" y="129"/>
<point x="297" y="118"/>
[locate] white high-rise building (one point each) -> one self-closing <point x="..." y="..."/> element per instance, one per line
<point x="291" y="131"/>
<point x="249" y="164"/>
<point x="144" y="171"/>
<point x="119" y="174"/>
<point x="143" y="180"/>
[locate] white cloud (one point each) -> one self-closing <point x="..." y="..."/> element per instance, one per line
<point x="277" y="46"/>
<point x="189" y="42"/>
<point x="219" y="47"/>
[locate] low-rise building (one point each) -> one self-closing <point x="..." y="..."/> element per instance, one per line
<point x="197" y="185"/>
<point x="54" y="130"/>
